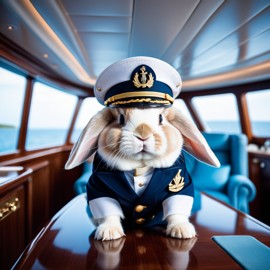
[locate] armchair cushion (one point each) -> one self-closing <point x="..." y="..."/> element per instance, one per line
<point x="209" y="178"/>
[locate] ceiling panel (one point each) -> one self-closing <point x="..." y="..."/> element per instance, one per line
<point x="222" y="44"/>
<point x="105" y="48"/>
<point x="102" y="24"/>
<point x="227" y="19"/>
<point x="156" y="23"/>
<point x="98" y="8"/>
<point x="199" y="38"/>
<point x="103" y="27"/>
<point x="201" y="14"/>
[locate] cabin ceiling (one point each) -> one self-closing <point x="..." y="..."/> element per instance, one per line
<point x="211" y="43"/>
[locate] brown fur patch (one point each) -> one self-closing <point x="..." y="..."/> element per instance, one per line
<point x="144" y="131"/>
<point x="158" y="141"/>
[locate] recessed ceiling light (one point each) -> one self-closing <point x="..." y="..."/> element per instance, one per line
<point x="45" y="55"/>
<point x="11" y="27"/>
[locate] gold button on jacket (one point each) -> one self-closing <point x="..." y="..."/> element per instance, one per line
<point x="139" y="208"/>
<point x="140" y="220"/>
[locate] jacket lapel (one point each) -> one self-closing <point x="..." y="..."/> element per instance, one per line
<point x="160" y="179"/>
<point x="117" y="182"/>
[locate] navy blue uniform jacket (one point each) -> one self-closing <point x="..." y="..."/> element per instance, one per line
<point x="105" y="182"/>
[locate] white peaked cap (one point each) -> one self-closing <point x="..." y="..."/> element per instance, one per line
<point x="138" y="81"/>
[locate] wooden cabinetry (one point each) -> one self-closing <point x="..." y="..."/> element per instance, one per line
<point x="259" y="164"/>
<point x="42" y="188"/>
<point x="14" y="217"/>
<point x="39" y="196"/>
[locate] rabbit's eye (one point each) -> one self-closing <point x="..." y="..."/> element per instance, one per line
<point x="160" y="119"/>
<point x="122" y="119"/>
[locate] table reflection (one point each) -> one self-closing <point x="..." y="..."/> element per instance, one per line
<point x="140" y="249"/>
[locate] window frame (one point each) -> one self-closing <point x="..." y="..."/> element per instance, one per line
<point x="53" y="88"/>
<point x="17" y="71"/>
<point x="249" y="114"/>
<point x="206" y="126"/>
<point x="239" y="91"/>
<point x="27" y="100"/>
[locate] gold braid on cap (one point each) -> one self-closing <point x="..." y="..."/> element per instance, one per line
<point x="149" y="100"/>
<point x="147" y="94"/>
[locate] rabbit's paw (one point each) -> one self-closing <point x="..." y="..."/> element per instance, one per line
<point x="109" y="232"/>
<point x="181" y="230"/>
<point x="109" y="229"/>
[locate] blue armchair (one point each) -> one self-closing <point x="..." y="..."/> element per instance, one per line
<point x="80" y="184"/>
<point x="230" y="182"/>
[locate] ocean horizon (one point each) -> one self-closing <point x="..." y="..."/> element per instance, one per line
<point x="41" y="138"/>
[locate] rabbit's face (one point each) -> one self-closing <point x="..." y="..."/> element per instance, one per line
<point x="132" y="138"/>
<point x="138" y="138"/>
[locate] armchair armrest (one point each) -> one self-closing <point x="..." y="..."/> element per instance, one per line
<point x="80" y="184"/>
<point x="241" y="191"/>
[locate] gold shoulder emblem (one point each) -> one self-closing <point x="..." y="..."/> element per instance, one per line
<point x="143" y="79"/>
<point x="177" y="183"/>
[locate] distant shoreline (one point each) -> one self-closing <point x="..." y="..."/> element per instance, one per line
<point x="6" y="126"/>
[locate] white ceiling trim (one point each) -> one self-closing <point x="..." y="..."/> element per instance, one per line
<point x="38" y="25"/>
<point x="258" y="72"/>
<point x="73" y="35"/>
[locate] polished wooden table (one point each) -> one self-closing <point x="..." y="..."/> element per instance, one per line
<point x="67" y="242"/>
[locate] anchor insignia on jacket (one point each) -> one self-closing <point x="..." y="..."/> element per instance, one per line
<point x="177" y="183"/>
<point x="144" y="79"/>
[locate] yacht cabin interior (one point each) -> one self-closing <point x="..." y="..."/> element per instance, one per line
<point x="52" y="52"/>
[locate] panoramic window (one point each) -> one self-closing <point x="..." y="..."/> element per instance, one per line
<point x="12" y="89"/>
<point x="50" y="117"/>
<point x="89" y="108"/>
<point x="259" y="112"/>
<point x="180" y="105"/>
<point x="219" y="112"/>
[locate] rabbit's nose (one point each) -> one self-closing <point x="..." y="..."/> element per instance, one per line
<point x="141" y="139"/>
<point x="143" y="132"/>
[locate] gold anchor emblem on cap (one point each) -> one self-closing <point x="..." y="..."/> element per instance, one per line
<point x="177" y="183"/>
<point x="145" y="80"/>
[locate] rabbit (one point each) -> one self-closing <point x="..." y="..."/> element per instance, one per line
<point x="124" y="140"/>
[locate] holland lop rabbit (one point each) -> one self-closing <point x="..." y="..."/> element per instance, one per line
<point x="126" y="140"/>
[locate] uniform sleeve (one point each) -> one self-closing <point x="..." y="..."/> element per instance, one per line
<point x="100" y="203"/>
<point x="104" y="207"/>
<point x="180" y="202"/>
<point x="95" y="189"/>
<point x="177" y="204"/>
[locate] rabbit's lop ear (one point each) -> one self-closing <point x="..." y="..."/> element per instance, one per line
<point x="194" y="142"/>
<point x="86" y="145"/>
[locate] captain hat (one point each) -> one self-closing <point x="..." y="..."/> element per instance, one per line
<point x="138" y="81"/>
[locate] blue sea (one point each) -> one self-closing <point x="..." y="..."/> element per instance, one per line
<point x="41" y="138"/>
<point x="36" y="138"/>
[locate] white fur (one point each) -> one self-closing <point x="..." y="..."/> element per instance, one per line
<point x="109" y="228"/>
<point x="180" y="227"/>
<point x="130" y="155"/>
